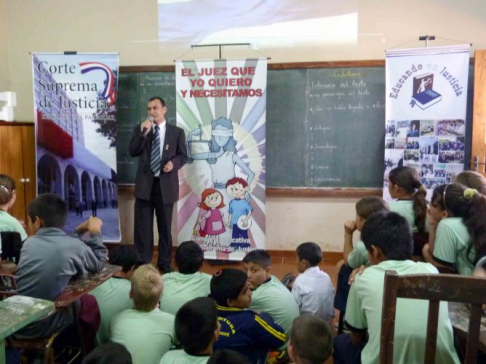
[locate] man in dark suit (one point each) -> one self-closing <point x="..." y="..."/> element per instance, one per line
<point x="161" y="152"/>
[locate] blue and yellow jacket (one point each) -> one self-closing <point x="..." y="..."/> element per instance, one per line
<point x="248" y="333"/>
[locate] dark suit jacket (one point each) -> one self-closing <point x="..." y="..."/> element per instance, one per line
<point x="174" y="150"/>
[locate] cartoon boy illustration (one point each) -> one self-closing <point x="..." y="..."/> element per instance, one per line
<point x="239" y="209"/>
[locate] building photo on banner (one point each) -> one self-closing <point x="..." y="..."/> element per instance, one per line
<point x="221" y="105"/>
<point x="74" y="110"/>
<point x="426" y="99"/>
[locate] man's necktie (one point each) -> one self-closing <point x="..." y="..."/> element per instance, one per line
<point x="155" y="157"/>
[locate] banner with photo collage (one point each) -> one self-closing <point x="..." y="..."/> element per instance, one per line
<point x="426" y="97"/>
<point x="221" y="105"/>
<point x="74" y="110"/>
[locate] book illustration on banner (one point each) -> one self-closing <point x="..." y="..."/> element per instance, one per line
<point x="423" y="95"/>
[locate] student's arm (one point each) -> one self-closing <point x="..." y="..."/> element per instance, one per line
<point x="349" y="229"/>
<point x="269" y="334"/>
<point x="355" y="318"/>
<point x="297" y="294"/>
<point x="444" y="253"/>
<point x="95" y="257"/>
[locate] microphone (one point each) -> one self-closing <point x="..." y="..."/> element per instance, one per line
<point x="148" y="129"/>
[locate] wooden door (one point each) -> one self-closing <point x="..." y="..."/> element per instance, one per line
<point x="479" y="114"/>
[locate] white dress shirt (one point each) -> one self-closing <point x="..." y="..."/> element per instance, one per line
<point x="314" y="294"/>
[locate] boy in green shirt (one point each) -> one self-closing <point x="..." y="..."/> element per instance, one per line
<point x="388" y="239"/>
<point x="197" y="329"/>
<point x="269" y="294"/>
<point x="146" y="332"/>
<point x="188" y="283"/>
<point x="113" y="296"/>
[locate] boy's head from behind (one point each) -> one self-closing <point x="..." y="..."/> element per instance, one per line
<point x="109" y="353"/>
<point x="47" y="210"/>
<point x="258" y="266"/>
<point x="227" y="356"/>
<point x="196" y="326"/>
<point x="367" y="206"/>
<point x="189" y="257"/>
<point x="387" y="236"/>
<point x="229" y="287"/>
<point x="311" y="340"/>
<point x="308" y="255"/>
<point x="126" y="256"/>
<point x="146" y="288"/>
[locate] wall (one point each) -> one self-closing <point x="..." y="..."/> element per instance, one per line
<point x="130" y="28"/>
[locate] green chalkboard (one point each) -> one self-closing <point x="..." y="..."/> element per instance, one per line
<point x="325" y="122"/>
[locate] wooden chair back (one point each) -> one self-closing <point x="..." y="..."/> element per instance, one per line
<point x="8" y="284"/>
<point x="11" y="246"/>
<point x="434" y="288"/>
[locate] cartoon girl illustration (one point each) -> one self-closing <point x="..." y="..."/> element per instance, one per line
<point x="222" y="156"/>
<point x="210" y="219"/>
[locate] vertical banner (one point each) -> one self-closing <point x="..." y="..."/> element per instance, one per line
<point x="426" y="96"/>
<point x="74" y="110"/>
<point x="221" y="105"/>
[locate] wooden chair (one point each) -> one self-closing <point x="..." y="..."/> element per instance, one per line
<point x="11" y="246"/>
<point x="434" y="288"/>
<point x="8" y="284"/>
<point x="419" y="240"/>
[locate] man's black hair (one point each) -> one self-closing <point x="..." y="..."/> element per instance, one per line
<point x="310" y="252"/>
<point x="260" y="257"/>
<point x="157" y="98"/>
<point x="227" y="356"/>
<point x="126" y="256"/>
<point x="195" y="323"/>
<point x="391" y="233"/>
<point x="49" y="207"/>
<point x="109" y="353"/>
<point x="189" y="257"/>
<point x="311" y="338"/>
<point x="227" y="284"/>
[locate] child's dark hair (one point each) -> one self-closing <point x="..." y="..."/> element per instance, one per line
<point x="195" y="323"/>
<point x="469" y="204"/>
<point x="472" y="179"/>
<point x="409" y="179"/>
<point x="189" y="257"/>
<point x="260" y="257"/>
<point x="369" y="205"/>
<point x="109" y="353"/>
<point x="227" y="356"/>
<point x="227" y="284"/>
<point x="126" y="256"/>
<point x="310" y="252"/>
<point x="7" y="186"/>
<point x="49" y="207"/>
<point x="312" y="339"/>
<point x="391" y="233"/>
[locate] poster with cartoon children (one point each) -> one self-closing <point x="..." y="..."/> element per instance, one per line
<point x="221" y="105"/>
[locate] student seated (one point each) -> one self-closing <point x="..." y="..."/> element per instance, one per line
<point x="197" y="329"/>
<point x="312" y="289"/>
<point x="50" y="258"/>
<point x="472" y="179"/>
<point x="310" y="341"/>
<point x="145" y="331"/>
<point x="113" y="296"/>
<point x="404" y="185"/>
<point x="109" y="353"/>
<point x="388" y="239"/>
<point x="269" y="294"/>
<point x="457" y="220"/>
<point x="188" y="283"/>
<point x="242" y="330"/>
<point x="8" y="196"/>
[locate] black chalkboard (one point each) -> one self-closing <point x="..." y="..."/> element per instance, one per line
<point x="325" y="124"/>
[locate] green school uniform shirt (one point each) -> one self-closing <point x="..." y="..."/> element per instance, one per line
<point x="451" y="243"/>
<point x="113" y="298"/>
<point x="405" y="209"/>
<point x="10" y="223"/>
<point x="275" y="299"/>
<point x="181" y="288"/>
<point x="181" y="357"/>
<point x="358" y="256"/>
<point x="363" y="312"/>
<point x="146" y="335"/>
